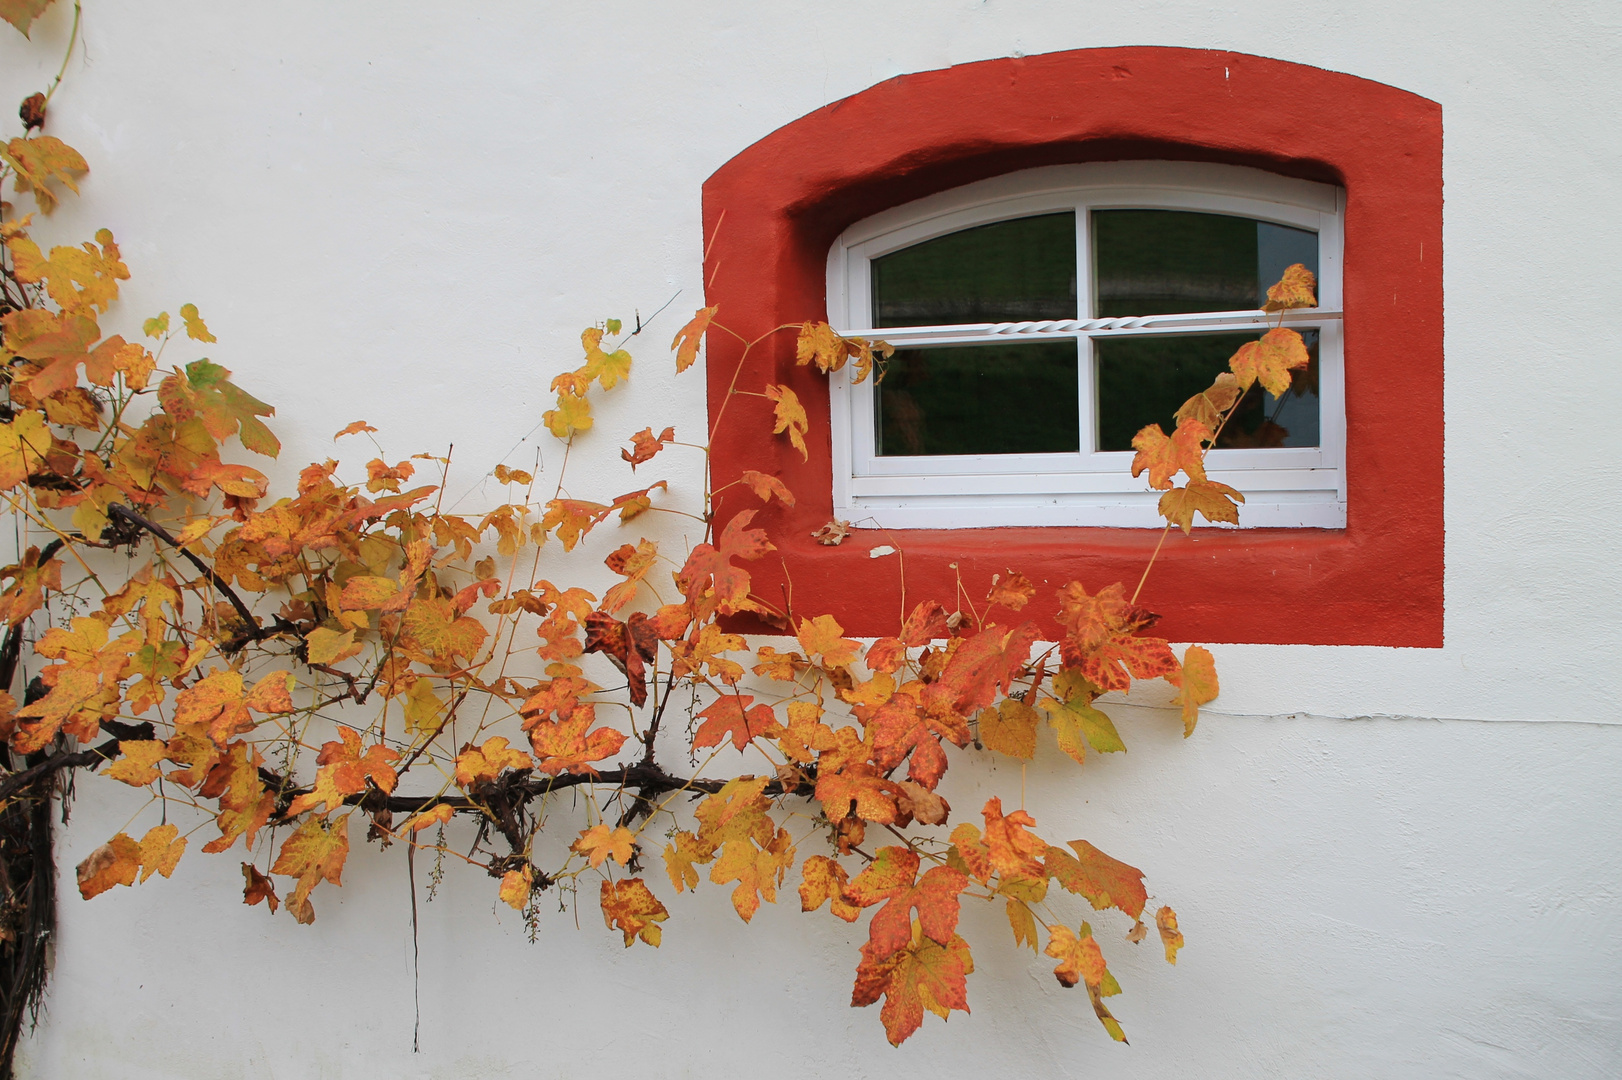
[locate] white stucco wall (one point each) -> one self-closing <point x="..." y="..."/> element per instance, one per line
<point x="1390" y="863"/>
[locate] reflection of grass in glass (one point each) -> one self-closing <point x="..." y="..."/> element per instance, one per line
<point x="980" y="399"/>
<point x="1146" y="380"/>
<point x="1008" y="271"/>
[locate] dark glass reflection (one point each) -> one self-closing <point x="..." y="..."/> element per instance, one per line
<point x="1146" y="380"/>
<point x="1018" y="398"/>
<point x="1010" y="271"/>
<point x="1159" y="262"/>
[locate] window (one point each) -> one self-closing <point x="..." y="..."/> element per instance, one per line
<point x="901" y="152"/>
<point x="1042" y="318"/>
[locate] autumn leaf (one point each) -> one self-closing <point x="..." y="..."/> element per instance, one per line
<point x="1074" y="719"/>
<point x="1081" y="961"/>
<point x="1208" y="406"/>
<point x="42" y="160"/>
<point x="917" y="802"/>
<point x="257" y="887"/>
<point x="1170" y="936"/>
<point x="833" y="533"/>
<point x="516" y="885"/>
<point x="891" y="879"/>
<point x="485" y="762"/>
<point x="1269" y="362"/>
<point x="1216" y="501"/>
<point x="608" y="368"/>
<point x="823" y="879"/>
<point x="21" y="13"/>
<point x="710" y="580"/>
<point x="860" y="788"/>
<point x="29" y="580"/>
<point x="161" y="849"/>
<point x="204" y="389"/>
<point x="689" y="337"/>
<point x="644" y="445"/>
<point x="196" y="328"/>
<point x="345" y="769"/>
<point x="631" y="646"/>
<point x="1196" y="683"/>
<point x="1293" y="290"/>
<point x="315" y="851"/>
<point x="757" y="868"/>
<point x="790" y="416"/>
<point x="982" y="667"/>
<point x="1009" y="729"/>
<point x="23" y="445"/>
<point x="903" y="726"/>
<point x="731" y="716"/>
<point x="355" y="427"/>
<point x="572" y="415"/>
<point x="1164" y="457"/>
<point x="768" y="487"/>
<point x="566" y="746"/>
<point x="117" y="862"/>
<point x="137" y="764"/>
<point x="925" y="975"/>
<point x="600" y="842"/>
<point x="821" y="636"/>
<point x="630" y="907"/>
<point x="1102" y="880"/>
<point x="434" y="624"/>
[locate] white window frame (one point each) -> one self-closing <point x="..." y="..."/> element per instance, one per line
<point x="1285" y="487"/>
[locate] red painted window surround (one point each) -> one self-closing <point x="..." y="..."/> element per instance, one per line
<point x="771" y="213"/>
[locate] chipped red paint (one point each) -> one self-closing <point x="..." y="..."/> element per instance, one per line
<point x="773" y="211"/>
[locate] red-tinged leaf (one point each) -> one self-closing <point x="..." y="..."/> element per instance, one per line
<point x="572" y="519"/>
<point x="566" y="745"/>
<point x="925" y="975"/>
<point x="1294" y="290"/>
<point x="644" y="445"/>
<point x="891" y="879"/>
<point x="1012" y="592"/>
<point x="981" y="668"/>
<point x="630" y="646"/>
<point x="857" y="788"/>
<point x="355" y="427"/>
<point x="689" y="337"/>
<point x="926" y="623"/>
<point x="1213" y="500"/>
<point x="21" y="14"/>
<point x="790" y="417"/>
<point x="484" y="763"/>
<point x="887" y="654"/>
<point x="204" y="390"/>
<point x="1170" y="936"/>
<point x="1102" y="880"/>
<point x="1269" y="362"/>
<point x="631" y="908"/>
<point x="768" y="487"/>
<point x="730" y="716"/>
<point x="710" y="581"/>
<point x="902" y="726"/>
<point x="234" y="780"/>
<point x="633" y="564"/>
<point x="1164" y="457"/>
<point x="257" y="887"/>
<point x="1013" y="851"/>
<point x="635" y="503"/>
<point x="1196" y="682"/>
<point x="314" y="853"/>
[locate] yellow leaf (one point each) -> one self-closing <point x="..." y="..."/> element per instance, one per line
<point x="689" y="337"/>
<point x="633" y="909"/>
<point x="326" y="646"/>
<point x="39" y="161"/>
<point x="1215" y="501"/>
<point x="196" y="328"/>
<point x="161" y="849"/>
<point x="1294" y="290"/>
<point x="316" y="851"/>
<point x="1009" y="729"/>
<point x="1170" y="936"/>
<point x="1022" y="922"/>
<point x="516" y="886"/>
<point x="1269" y="361"/>
<point x="114" y="863"/>
<point x="600" y="842"/>
<point x="572" y="414"/>
<point x="1196" y="681"/>
<point x="23" y="445"/>
<point x="138" y="762"/>
<point x="790" y="416"/>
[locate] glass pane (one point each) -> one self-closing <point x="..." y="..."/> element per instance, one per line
<point x="980" y="399"/>
<point x="1010" y="271"/>
<point x="1159" y="262"/>
<point x="1146" y="380"/>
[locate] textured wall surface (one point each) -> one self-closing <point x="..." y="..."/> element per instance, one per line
<point x="1394" y="863"/>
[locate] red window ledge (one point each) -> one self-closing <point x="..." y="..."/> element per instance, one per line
<point x="774" y="210"/>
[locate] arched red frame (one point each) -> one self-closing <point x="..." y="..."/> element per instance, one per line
<point x="771" y="213"/>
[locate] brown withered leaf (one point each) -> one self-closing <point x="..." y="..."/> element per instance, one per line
<point x="629" y="646"/>
<point x="832" y="534"/>
<point x="257" y="887"/>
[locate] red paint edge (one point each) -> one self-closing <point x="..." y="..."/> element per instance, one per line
<point x="771" y="213"/>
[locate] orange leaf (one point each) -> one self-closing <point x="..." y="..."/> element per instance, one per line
<point x="161" y="849"/>
<point x="1196" y="681"/>
<point x="857" y="787"/>
<point x="821" y="635"/>
<point x="1268" y="361"/>
<point x="1012" y="592"/>
<point x="890" y="879"/>
<point x="1170" y="936"/>
<point x="791" y="417"/>
<point x="599" y="842"/>
<point x="1293" y="290"/>
<point x="1009" y="729"/>
<point x="116" y="862"/>
<point x="731" y="716"/>
<point x="565" y="745"/>
<point x="633" y="564"/>
<point x="925" y="975"/>
<point x="1080" y="960"/>
<point x="644" y="445"/>
<point x="1208" y="406"/>
<point x="758" y="868"/>
<point x="257" y="887"/>
<point x="767" y="486"/>
<point x="689" y="337"/>
<point x="709" y="579"/>
<point x="352" y="428"/>
<point x="630" y="907"/>
<point x="1104" y="881"/>
<point x="486" y="762"/>
<point x="1216" y="501"/>
<point x="823" y="879"/>
<point x="1165" y="457"/>
<point x="516" y="885"/>
<point x="316" y="851"/>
